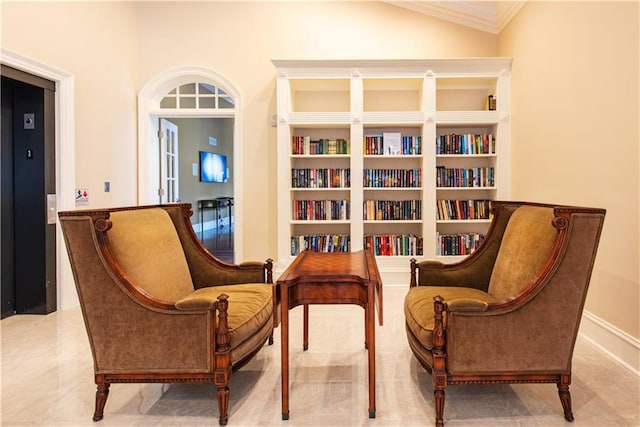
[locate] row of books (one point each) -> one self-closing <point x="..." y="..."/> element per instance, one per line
<point x="457" y="244"/>
<point x="463" y="209"/>
<point x="394" y="244"/>
<point x="320" y="243"/>
<point x="321" y="178"/>
<point x="392" y="144"/>
<point x="465" y="144"/>
<point x="392" y="178"/>
<point x="306" y="145"/>
<point x="392" y="210"/>
<point x="388" y="244"/>
<point x="463" y="178"/>
<point x="321" y="210"/>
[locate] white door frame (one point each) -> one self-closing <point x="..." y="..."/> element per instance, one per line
<point x="65" y="160"/>
<point x="168" y="130"/>
<point x="149" y="112"/>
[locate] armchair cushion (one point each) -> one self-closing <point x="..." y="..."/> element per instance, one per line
<point x="419" y="312"/>
<point x="250" y="305"/>
<point x="250" y="309"/>
<point x="529" y="236"/>
<point x="160" y="269"/>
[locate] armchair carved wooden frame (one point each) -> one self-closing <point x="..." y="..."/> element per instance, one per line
<point x="509" y="312"/>
<point x="157" y="306"/>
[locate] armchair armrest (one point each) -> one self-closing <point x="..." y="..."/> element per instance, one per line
<point x="467" y="305"/>
<point x="202" y="299"/>
<point x="249" y="265"/>
<point x="207" y="270"/>
<point x="469" y="273"/>
<point x="214" y="273"/>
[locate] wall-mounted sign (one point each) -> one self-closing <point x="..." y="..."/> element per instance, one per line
<point x="82" y="197"/>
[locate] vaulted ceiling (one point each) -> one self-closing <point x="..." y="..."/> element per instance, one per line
<point x="489" y="16"/>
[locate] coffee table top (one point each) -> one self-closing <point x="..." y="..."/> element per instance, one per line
<point x="335" y="268"/>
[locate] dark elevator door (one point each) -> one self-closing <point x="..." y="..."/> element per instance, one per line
<point x="28" y="177"/>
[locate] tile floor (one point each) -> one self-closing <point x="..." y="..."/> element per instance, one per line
<point x="47" y="380"/>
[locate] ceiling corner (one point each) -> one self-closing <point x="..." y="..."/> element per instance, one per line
<point x="489" y="16"/>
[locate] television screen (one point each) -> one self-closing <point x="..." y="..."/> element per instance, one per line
<point x="213" y="167"/>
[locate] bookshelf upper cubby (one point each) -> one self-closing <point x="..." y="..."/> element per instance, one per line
<point x="392" y="94"/>
<point x="464" y="93"/>
<point x="318" y="95"/>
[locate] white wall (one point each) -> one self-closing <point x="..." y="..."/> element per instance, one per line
<point x="96" y="43"/>
<point x="575" y="131"/>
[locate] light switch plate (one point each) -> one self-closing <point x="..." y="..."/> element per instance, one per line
<point x="29" y="121"/>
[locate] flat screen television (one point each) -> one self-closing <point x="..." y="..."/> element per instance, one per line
<point x="213" y="167"/>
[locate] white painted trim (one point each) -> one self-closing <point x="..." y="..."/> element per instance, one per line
<point x="617" y="344"/>
<point x="148" y="112"/>
<point x="65" y="159"/>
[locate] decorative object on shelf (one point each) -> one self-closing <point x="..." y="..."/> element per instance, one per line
<point x="491" y="103"/>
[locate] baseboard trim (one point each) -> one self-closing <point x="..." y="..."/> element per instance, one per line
<point x="617" y="344"/>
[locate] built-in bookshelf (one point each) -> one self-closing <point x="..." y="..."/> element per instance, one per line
<point x="399" y="157"/>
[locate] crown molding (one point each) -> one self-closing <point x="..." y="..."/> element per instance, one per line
<point x="488" y="16"/>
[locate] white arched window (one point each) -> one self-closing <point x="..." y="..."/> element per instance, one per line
<point x="196" y="96"/>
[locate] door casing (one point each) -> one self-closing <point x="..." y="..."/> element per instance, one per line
<point x="29" y="275"/>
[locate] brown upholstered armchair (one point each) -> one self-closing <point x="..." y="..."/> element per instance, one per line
<point x="157" y="306"/>
<point x="509" y="312"/>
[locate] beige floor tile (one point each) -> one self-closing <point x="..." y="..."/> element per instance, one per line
<point x="47" y="379"/>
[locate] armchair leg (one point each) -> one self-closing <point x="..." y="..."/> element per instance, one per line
<point x="438" y="400"/>
<point x="223" y="405"/>
<point x="565" y="399"/>
<point x="439" y="374"/>
<point x="101" y="398"/>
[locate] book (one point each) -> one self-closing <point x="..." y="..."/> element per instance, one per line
<point x="392" y="143"/>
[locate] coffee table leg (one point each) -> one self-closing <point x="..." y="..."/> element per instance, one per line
<point x="366" y="329"/>
<point x="305" y="323"/>
<point x="370" y="328"/>
<point x="284" y="307"/>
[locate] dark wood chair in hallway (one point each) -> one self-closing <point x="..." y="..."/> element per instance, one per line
<point x="509" y="312"/>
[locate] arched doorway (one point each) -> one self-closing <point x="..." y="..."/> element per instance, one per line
<point x="187" y="93"/>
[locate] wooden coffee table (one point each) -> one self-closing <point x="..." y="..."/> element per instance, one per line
<point x="331" y="278"/>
